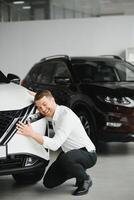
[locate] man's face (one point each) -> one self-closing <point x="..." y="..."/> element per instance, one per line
<point x="46" y="106"/>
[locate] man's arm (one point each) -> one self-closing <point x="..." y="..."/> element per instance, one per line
<point x="26" y="130"/>
<point x="32" y="93"/>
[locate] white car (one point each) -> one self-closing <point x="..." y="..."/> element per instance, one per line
<point x="20" y="156"/>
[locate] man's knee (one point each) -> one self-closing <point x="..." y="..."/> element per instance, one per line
<point x="66" y="163"/>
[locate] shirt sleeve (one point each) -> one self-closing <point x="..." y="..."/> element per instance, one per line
<point x="62" y="131"/>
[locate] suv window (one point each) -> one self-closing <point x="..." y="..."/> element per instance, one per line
<point x="93" y="71"/>
<point x="125" y="71"/>
<point x="45" y="72"/>
<point x="61" y="70"/>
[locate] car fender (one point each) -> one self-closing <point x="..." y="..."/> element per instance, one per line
<point x="20" y="144"/>
<point x="81" y="99"/>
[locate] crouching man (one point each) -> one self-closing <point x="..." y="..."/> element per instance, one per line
<point x="78" y="151"/>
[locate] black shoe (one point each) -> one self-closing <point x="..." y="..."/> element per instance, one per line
<point x="79" y="183"/>
<point x="83" y="189"/>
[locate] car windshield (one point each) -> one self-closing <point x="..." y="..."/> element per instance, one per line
<point x="3" y="78"/>
<point x="103" y="71"/>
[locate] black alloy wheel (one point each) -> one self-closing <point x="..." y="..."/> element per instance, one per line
<point x="88" y="123"/>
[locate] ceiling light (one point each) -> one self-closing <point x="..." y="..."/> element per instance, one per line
<point x="26" y="7"/>
<point x="18" y="2"/>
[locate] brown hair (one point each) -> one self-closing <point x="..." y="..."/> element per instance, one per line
<point x="41" y="94"/>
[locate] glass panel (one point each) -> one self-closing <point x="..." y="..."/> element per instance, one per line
<point x="61" y="70"/>
<point x="92" y="71"/>
<point x="104" y="71"/>
<point x="125" y="71"/>
<point x="45" y="72"/>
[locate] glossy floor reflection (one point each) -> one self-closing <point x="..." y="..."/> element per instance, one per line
<point x="112" y="176"/>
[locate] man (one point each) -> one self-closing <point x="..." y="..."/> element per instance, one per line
<point x="78" y="152"/>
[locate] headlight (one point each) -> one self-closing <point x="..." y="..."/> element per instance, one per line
<point x="29" y="114"/>
<point x="34" y="117"/>
<point x="118" y="101"/>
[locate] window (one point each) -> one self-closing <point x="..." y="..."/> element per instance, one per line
<point x="45" y="72"/>
<point x="94" y="71"/>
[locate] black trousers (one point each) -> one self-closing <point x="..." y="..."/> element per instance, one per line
<point x="72" y="164"/>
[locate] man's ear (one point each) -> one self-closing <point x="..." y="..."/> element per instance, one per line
<point x="32" y="93"/>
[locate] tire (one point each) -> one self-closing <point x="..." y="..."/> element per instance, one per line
<point x="89" y="124"/>
<point x="29" y="178"/>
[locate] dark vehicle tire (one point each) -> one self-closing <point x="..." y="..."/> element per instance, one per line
<point x="29" y="178"/>
<point x="88" y="123"/>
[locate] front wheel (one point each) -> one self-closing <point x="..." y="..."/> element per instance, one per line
<point x="88" y="123"/>
<point x="29" y="178"/>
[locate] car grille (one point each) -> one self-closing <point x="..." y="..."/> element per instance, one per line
<point x="8" y="121"/>
<point x="6" y="118"/>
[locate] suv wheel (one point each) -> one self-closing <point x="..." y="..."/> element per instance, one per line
<point x="29" y="178"/>
<point x="88" y="123"/>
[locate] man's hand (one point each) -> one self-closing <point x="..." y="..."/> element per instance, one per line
<point x="24" y="129"/>
<point x="32" y="93"/>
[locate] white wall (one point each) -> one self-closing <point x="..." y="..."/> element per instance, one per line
<point x="24" y="43"/>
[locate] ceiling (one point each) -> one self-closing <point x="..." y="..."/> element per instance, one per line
<point x="91" y="7"/>
<point x="60" y="9"/>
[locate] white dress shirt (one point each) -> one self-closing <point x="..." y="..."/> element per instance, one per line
<point x="69" y="132"/>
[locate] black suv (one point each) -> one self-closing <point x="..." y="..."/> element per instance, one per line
<point x="100" y="90"/>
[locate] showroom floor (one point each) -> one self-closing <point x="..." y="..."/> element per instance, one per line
<point x="112" y="176"/>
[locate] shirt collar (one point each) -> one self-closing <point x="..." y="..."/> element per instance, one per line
<point x="56" y="113"/>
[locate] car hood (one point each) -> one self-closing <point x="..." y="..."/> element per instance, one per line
<point x="13" y="97"/>
<point x="111" y="88"/>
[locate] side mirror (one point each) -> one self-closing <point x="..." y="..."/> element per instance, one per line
<point x="62" y="80"/>
<point x="13" y="78"/>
